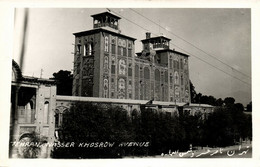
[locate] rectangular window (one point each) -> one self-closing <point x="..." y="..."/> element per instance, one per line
<point x="124" y="51"/>
<point x="120" y="51"/>
<point x="112" y="94"/>
<point x="129" y="52"/>
<point x="113" y="69"/>
<point x="130" y="96"/>
<point x="113" y="49"/>
<point x="171" y="98"/>
<point x="129" y="72"/>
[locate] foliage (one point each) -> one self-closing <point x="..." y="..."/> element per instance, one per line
<point x="193" y="93"/>
<point x="229" y="101"/>
<point x="64" y="82"/>
<point x="33" y="150"/>
<point x="90" y="122"/>
<point x="249" y="107"/>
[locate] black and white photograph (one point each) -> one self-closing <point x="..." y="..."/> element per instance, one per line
<point x="128" y="83"/>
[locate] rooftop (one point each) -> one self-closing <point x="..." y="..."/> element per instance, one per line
<point x="106" y="14"/>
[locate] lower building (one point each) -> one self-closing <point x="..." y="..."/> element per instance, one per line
<point x="35" y="108"/>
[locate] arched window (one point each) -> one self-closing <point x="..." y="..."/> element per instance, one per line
<point x="46" y="112"/>
<point x="88" y="49"/>
<point x="106" y="44"/>
<point x="176" y="77"/>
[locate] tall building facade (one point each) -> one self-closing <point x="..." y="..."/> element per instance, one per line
<point x="105" y="65"/>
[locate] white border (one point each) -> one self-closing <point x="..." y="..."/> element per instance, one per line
<point x="6" y="43"/>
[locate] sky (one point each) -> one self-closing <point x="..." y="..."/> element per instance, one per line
<point x="218" y="41"/>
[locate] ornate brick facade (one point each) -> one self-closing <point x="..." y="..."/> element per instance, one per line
<point x="105" y="65"/>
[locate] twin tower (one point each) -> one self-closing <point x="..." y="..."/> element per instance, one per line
<point x="106" y="65"/>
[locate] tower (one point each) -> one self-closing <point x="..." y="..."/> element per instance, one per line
<point x="103" y="60"/>
<point x="168" y="70"/>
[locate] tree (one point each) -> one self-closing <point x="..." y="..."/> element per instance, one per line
<point x="89" y="122"/>
<point x="249" y="107"/>
<point x="33" y="150"/>
<point x="192" y="93"/>
<point x="219" y="102"/>
<point x="239" y="107"/>
<point x="64" y="82"/>
<point x="229" y="101"/>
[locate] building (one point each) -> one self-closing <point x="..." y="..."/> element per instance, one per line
<point x="106" y="66"/>
<point x="107" y="72"/>
<point x="33" y="104"/>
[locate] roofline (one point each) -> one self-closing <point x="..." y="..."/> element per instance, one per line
<point x="174" y="51"/>
<point x="110" y="13"/>
<point x="167" y="50"/>
<point x="96" y="30"/>
<point x="38" y="80"/>
<point x="156" y="38"/>
<point x="110" y="100"/>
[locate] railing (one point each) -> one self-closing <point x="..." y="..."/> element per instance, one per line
<point x="160" y="46"/>
<point x="105" y="24"/>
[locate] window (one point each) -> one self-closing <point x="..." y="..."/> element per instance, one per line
<point x="171" y="78"/>
<point x="166" y="76"/>
<point x="79" y="48"/>
<point x="120" y="51"/>
<point x="129" y="44"/>
<point x="136" y="71"/>
<point x="170" y="63"/>
<point x="112" y="94"/>
<point x="106" y="44"/>
<point x="129" y="72"/>
<point x="176" y="64"/>
<point x="88" y="49"/>
<point x="130" y="82"/>
<point x="46" y="112"/>
<point x="171" y="98"/>
<point x="181" y="63"/>
<point x="113" y="69"/>
<point x="56" y="118"/>
<point x="129" y="52"/>
<point x="124" y="51"/>
<point x="113" y="49"/>
<point x="176" y="77"/>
